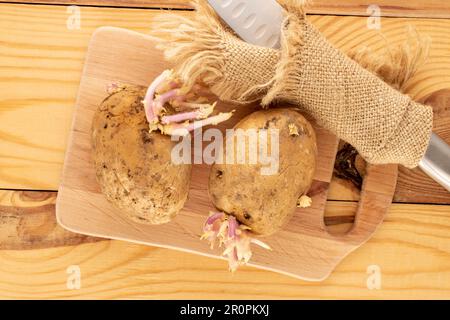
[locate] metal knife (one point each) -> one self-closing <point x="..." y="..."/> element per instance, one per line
<point x="259" y="22"/>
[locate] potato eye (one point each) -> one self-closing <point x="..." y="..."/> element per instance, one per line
<point x="219" y="174"/>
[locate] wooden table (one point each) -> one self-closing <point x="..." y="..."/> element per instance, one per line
<point x="41" y="59"/>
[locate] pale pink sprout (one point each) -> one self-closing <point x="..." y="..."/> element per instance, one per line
<point x="166" y="90"/>
<point x="149" y="95"/>
<point x="214" y="217"/>
<point x="203" y="111"/>
<point x="234" y="236"/>
<point x="181" y="129"/>
<point x="161" y="100"/>
<point x="232" y="226"/>
<point x="178" y="117"/>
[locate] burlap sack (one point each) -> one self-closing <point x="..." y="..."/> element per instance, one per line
<point x="384" y="125"/>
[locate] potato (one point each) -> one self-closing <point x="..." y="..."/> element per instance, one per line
<point x="266" y="202"/>
<point x="133" y="166"/>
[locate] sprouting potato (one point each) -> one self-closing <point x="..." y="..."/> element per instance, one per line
<point x="265" y="202"/>
<point x="132" y="164"/>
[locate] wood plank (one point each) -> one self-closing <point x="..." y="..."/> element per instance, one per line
<point x="27" y="221"/>
<point x="411" y="248"/>
<point x="41" y="64"/>
<point x="388" y="8"/>
<point x="81" y="207"/>
<point x="177" y="4"/>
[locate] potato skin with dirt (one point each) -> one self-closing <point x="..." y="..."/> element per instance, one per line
<point x="133" y="166"/>
<point x="266" y="202"/>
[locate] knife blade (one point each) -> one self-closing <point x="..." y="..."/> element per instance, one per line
<point x="259" y="23"/>
<point x="255" y="21"/>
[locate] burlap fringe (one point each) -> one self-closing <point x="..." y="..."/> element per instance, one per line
<point x="397" y="64"/>
<point x="291" y="43"/>
<point x="285" y="81"/>
<point x="195" y="45"/>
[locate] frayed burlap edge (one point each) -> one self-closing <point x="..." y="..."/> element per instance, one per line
<point x="194" y="45"/>
<point x="292" y="32"/>
<point x="196" y="48"/>
<point x="285" y="81"/>
<point x="397" y="64"/>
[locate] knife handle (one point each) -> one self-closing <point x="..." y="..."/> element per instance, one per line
<point x="436" y="162"/>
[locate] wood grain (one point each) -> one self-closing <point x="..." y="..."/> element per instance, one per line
<point x="389" y="8"/>
<point x="412" y="249"/>
<point x="120" y="55"/>
<point x="27" y="221"/>
<point x="41" y="64"/>
<point x="414" y="185"/>
<point x="38" y="52"/>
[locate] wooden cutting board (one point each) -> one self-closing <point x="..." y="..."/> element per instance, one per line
<point x="303" y="249"/>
